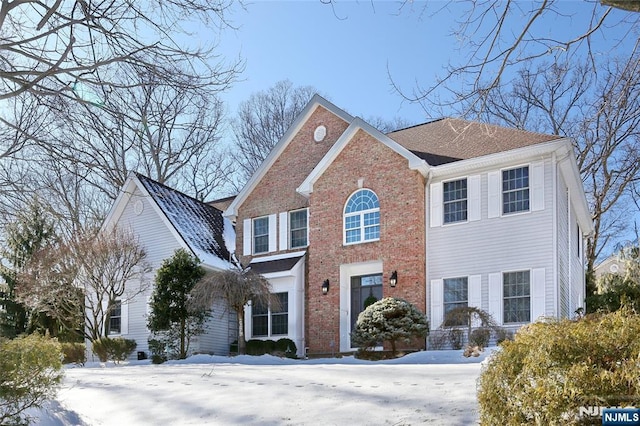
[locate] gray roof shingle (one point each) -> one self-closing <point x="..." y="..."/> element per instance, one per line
<point x="200" y="225"/>
<point x="452" y="139"/>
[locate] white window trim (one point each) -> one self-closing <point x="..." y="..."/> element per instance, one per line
<point x="124" y="319"/>
<point x="501" y="191"/>
<point x="289" y="237"/>
<point x="536" y="190"/>
<point x="474" y="201"/>
<point x="269" y="318"/>
<point x="346" y="272"/>
<point x="537" y="295"/>
<point x="457" y="222"/>
<point x="360" y="213"/>
<point x="253" y="236"/>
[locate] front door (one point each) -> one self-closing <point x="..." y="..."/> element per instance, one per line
<point x="365" y="290"/>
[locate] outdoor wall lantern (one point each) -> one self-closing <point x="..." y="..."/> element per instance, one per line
<point x="325" y="287"/>
<point x="393" y="279"/>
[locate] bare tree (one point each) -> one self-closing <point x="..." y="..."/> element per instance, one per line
<point x="112" y="267"/>
<point x="601" y="116"/>
<point x="166" y="131"/>
<point x="386" y="125"/>
<point x="47" y="286"/>
<point x="262" y="120"/>
<point x="237" y="287"/>
<point x="497" y="36"/>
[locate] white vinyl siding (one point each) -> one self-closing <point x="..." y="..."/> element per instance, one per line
<point x="437" y="300"/>
<point x="495" y="296"/>
<point x="160" y="243"/>
<point x="436" y="204"/>
<point x="538" y="300"/>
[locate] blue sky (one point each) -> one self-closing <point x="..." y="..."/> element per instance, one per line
<point x="345" y="55"/>
<point x="349" y="52"/>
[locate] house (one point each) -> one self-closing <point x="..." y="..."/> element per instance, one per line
<point x="165" y="220"/>
<point x="444" y="214"/>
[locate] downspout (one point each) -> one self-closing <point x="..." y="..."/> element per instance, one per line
<point x="554" y="200"/>
<point x="426" y="251"/>
<point x="569" y="258"/>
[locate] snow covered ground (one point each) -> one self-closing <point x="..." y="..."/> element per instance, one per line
<point x="436" y="387"/>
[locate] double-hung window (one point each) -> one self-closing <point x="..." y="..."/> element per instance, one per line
<point x="362" y="217"/>
<point x="456" y="295"/>
<point x="298" y="228"/>
<point x="271" y="320"/>
<point x="455" y="201"/>
<point x="115" y="319"/>
<point x="516" y="292"/>
<point x="515" y="190"/>
<point x="261" y="235"/>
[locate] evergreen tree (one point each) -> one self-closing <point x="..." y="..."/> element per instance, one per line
<point x="172" y="316"/>
<point x="31" y="231"/>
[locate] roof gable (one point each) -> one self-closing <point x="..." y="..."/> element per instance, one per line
<point x="315" y="102"/>
<point x="454" y="139"/>
<point x="414" y="161"/>
<point x="198" y="226"/>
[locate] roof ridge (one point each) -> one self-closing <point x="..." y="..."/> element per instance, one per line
<point x="417" y="125"/>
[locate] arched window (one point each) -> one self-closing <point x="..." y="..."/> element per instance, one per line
<point x="362" y="217"/>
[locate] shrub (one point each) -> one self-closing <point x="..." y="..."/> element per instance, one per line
<point x="287" y="347"/>
<point x="438" y="339"/>
<point x="503" y="334"/>
<point x="158" y="351"/>
<point x="480" y="337"/>
<point x="389" y="320"/>
<point x="116" y="349"/>
<point x="255" y="347"/>
<point x="455" y="336"/>
<point x="269" y="346"/>
<point x="74" y="353"/>
<point x="551" y="369"/>
<point x="30" y="373"/>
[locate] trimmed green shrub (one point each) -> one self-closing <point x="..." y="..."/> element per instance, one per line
<point x="115" y="349"/>
<point x="480" y="337"/>
<point x="158" y="351"/>
<point x="255" y="347"/>
<point x="30" y="374"/>
<point x="287" y="347"/>
<point x="389" y="320"/>
<point x="74" y="353"/>
<point x="269" y="346"/>
<point x="551" y="369"/>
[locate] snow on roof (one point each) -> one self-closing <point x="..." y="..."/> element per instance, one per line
<point x="201" y="226"/>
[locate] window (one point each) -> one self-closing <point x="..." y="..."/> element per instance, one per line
<point x="280" y="316"/>
<point x="578" y="241"/>
<point x="115" y="320"/>
<point x="515" y="190"/>
<point x="456" y="295"/>
<point x="261" y="235"/>
<point x="264" y="319"/>
<point x="455" y="201"/>
<point x="517" y="296"/>
<point x="298" y="225"/>
<point x="362" y="217"/>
